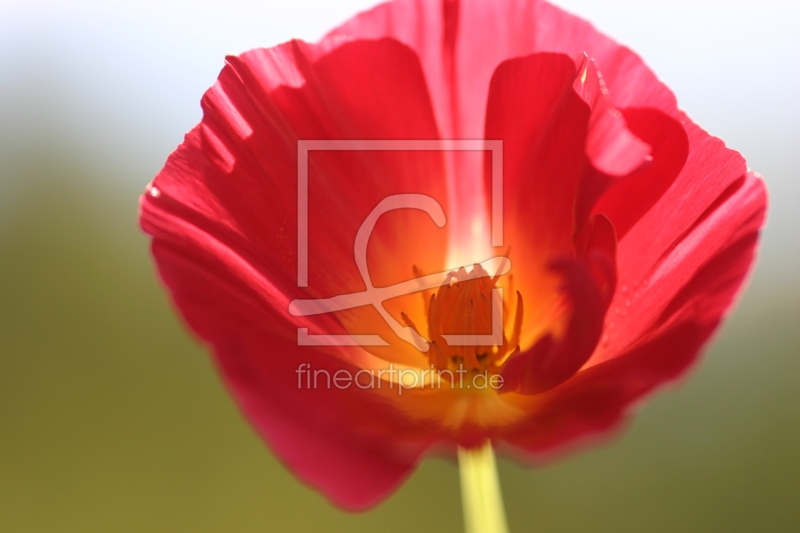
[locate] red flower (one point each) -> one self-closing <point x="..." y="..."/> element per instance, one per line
<point x="631" y="230"/>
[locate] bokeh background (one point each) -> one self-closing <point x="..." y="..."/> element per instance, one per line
<point x="112" y="417"/>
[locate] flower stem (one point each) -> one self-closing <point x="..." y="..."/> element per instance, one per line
<point x="480" y="491"/>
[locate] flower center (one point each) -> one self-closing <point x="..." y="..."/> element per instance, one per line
<point x="467" y="319"/>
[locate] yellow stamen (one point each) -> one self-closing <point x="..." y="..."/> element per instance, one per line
<point x="463" y="306"/>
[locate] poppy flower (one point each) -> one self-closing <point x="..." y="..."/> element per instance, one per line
<point x="606" y="257"/>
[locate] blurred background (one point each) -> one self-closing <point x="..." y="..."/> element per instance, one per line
<point x="112" y="417"/>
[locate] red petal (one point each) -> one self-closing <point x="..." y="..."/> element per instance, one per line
<point x="552" y="141"/>
<point x="325" y="434"/>
<point x="348" y="94"/>
<point x="432" y="30"/>
<point x="551" y="361"/>
<point x="702" y="232"/>
<point x="629" y="199"/>
<point x="589" y="284"/>
<point x="223" y="216"/>
<point x="461" y="42"/>
<point x="610" y="146"/>
<point x="596" y="400"/>
<point x="597" y="245"/>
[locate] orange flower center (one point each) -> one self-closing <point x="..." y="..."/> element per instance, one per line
<point x="467" y="319"/>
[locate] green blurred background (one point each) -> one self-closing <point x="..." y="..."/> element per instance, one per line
<point x="112" y="417"/>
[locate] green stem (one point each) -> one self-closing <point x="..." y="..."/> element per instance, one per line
<point x="480" y="491"/>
